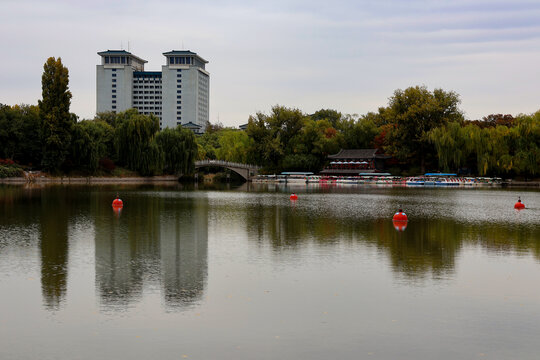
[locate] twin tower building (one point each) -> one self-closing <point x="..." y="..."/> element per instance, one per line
<point x="177" y="95"/>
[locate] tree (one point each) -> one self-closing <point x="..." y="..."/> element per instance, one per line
<point x="327" y="114"/>
<point x="20" y="134"/>
<point x="91" y="141"/>
<point x="179" y="149"/>
<point x="134" y="136"/>
<point x="413" y="112"/>
<point x="54" y="112"/>
<point x="234" y="146"/>
<point x="272" y="135"/>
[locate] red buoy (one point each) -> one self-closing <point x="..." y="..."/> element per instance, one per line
<point x="519" y="205"/>
<point x="117" y="203"/>
<point x="400" y="216"/>
<point x="293" y="197"/>
<point x="399" y="225"/>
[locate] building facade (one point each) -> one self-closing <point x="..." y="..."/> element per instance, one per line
<point x="177" y="95"/>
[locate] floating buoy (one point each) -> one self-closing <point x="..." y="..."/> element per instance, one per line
<point x="293" y="196"/>
<point x="399" y="225"/>
<point x="117" y="203"/>
<point x="519" y="205"/>
<point x="400" y="216"/>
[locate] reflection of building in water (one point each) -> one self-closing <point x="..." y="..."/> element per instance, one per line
<point x="54" y="248"/>
<point x="125" y="247"/>
<point x="184" y="252"/>
<point x="154" y="241"/>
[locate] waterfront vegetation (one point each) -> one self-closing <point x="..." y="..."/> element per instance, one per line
<point x="422" y="130"/>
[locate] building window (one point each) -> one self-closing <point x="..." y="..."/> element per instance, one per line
<point x="113" y="69"/>
<point x="178" y="75"/>
<point x="178" y="113"/>
<point x="114" y="90"/>
<point x="178" y="122"/>
<point x="178" y="107"/>
<point x="114" y="96"/>
<point x="113" y="80"/>
<point x="106" y="59"/>
<point x="123" y="59"/>
<point x="114" y="106"/>
<point x="178" y="91"/>
<point x="114" y="74"/>
<point x="178" y="70"/>
<point x="178" y="86"/>
<point x="114" y="101"/>
<point x="113" y="85"/>
<point x="178" y="118"/>
<point x="178" y="102"/>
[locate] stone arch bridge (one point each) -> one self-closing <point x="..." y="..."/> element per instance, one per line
<point x="244" y="170"/>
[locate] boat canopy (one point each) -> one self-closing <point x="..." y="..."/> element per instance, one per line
<point x="375" y="174"/>
<point x="296" y="173"/>
<point x="440" y="174"/>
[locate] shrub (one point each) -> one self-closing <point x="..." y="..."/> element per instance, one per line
<point x="10" y="171"/>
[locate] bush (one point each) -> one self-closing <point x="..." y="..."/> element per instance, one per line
<point x="10" y="171"/>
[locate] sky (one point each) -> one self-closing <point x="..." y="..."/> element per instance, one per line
<point x="345" y="55"/>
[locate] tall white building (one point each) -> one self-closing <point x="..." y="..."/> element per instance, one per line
<point x="178" y="94"/>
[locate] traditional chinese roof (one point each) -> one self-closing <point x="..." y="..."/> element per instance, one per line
<point x="191" y="125"/>
<point x="358" y="154"/>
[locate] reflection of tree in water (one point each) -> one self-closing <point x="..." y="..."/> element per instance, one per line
<point x="184" y="251"/>
<point x="426" y="247"/>
<point x="155" y="240"/>
<point x="54" y="245"/>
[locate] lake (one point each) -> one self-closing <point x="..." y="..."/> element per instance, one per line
<point x="244" y="273"/>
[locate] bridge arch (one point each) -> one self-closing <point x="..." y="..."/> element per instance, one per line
<point x="244" y="170"/>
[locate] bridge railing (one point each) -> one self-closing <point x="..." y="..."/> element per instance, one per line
<point x="225" y="163"/>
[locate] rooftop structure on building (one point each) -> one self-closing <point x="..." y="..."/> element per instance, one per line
<point x="177" y="95"/>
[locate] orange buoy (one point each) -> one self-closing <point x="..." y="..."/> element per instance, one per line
<point x="117" y="203"/>
<point x="400" y="216"/>
<point x="519" y="205"/>
<point x="293" y="196"/>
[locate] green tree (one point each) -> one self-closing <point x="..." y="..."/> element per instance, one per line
<point x="179" y="149"/>
<point x="272" y="135"/>
<point x="413" y="112"/>
<point x="91" y="141"/>
<point x="54" y="112"/>
<point x="234" y="146"/>
<point x="452" y="146"/>
<point x="333" y="116"/>
<point x="358" y="133"/>
<point x="134" y="138"/>
<point x="20" y="133"/>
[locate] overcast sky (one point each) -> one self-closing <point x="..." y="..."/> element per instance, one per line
<point x="343" y="55"/>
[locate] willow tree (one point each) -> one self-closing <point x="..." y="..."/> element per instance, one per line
<point x="134" y="136"/>
<point x="54" y="112"/>
<point x="179" y="149"/>
<point x="92" y="141"/>
<point x="526" y="135"/>
<point x="451" y="144"/>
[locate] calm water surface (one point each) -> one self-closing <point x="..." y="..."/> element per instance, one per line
<point x="247" y="274"/>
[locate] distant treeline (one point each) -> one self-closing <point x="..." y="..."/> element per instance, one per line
<point x="421" y="129"/>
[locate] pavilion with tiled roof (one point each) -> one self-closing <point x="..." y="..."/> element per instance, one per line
<point x="355" y="161"/>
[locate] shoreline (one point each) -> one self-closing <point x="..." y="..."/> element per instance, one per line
<point x="166" y="179"/>
<point x="90" y="180"/>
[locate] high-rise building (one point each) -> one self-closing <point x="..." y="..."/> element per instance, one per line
<point x="177" y="95"/>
